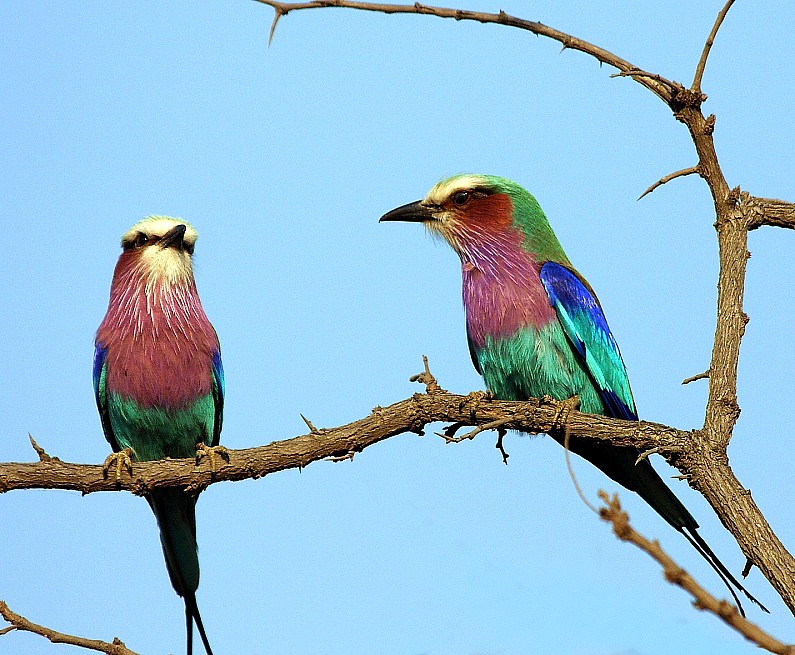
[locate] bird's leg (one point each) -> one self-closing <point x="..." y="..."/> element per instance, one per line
<point x="212" y="453"/>
<point x="121" y="459"/>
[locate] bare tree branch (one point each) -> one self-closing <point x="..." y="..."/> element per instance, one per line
<point x="662" y="88"/>
<point x="18" y="622"/>
<point x="613" y="514"/>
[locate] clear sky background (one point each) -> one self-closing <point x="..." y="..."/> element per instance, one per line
<point x="284" y="158"/>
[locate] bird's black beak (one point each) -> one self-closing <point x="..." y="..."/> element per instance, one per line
<point x="414" y="212"/>
<point x="173" y="238"/>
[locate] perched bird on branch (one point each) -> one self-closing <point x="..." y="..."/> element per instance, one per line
<point x="535" y="327"/>
<point x="159" y="382"/>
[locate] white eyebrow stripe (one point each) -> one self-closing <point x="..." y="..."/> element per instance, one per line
<point x="446" y="188"/>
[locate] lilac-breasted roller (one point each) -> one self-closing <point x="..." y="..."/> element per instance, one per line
<point x="159" y="382"/>
<point x="536" y="328"/>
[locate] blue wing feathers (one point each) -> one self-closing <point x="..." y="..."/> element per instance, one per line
<point x="586" y="327"/>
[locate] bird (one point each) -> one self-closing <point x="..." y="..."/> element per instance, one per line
<point x="159" y="382"/>
<point x="535" y="327"/>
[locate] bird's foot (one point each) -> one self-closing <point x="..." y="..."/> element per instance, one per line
<point x="212" y="453"/>
<point x="473" y="400"/>
<point x="563" y="410"/>
<point x="119" y="460"/>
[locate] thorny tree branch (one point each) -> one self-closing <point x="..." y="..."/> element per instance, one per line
<point x="703" y="600"/>
<point x="410" y="415"/>
<point x="21" y="623"/>
<point x="736" y="213"/>
<point x="662" y="88"/>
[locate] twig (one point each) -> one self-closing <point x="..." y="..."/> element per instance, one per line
<point x="668" y="178"/>
<point x="277" y="15"/>
<point x="703" y="600"/>
<point x="500" y="436"/>
<point x="492" y="425"/>
<point x="573" y="476"/>
<point x="309" y="424"/>
<point x="702" y="63"/>
<point x="698" y="376"/>
<point x="18" y="622"/>
<point x="637" y="72"/>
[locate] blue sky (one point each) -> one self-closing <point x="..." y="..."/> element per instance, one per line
<point x="284" y="158"/>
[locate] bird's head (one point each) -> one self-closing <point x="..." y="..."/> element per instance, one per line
<point x="160" y="249"/>
<point x="476" y="212"/>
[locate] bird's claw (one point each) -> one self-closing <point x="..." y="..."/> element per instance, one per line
<point x="473" y="400"/>
<point x="212" y="453"/>
<point x="563" y="410"/>
<point x="120" y="460"/>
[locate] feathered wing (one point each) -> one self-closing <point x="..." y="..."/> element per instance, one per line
<point x="584" y="323"/>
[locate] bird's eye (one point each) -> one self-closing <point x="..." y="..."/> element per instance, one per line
<point x="461" y="197"/>
<point x="140" y="240"/>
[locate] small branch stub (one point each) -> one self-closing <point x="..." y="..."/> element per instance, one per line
<point x="426" y="378"/>
<point x="43" y="456"/>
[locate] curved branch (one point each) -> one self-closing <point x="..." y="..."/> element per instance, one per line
<point x="662" y="88"/>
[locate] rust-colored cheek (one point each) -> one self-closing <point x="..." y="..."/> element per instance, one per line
<point x="494" y="212"/>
